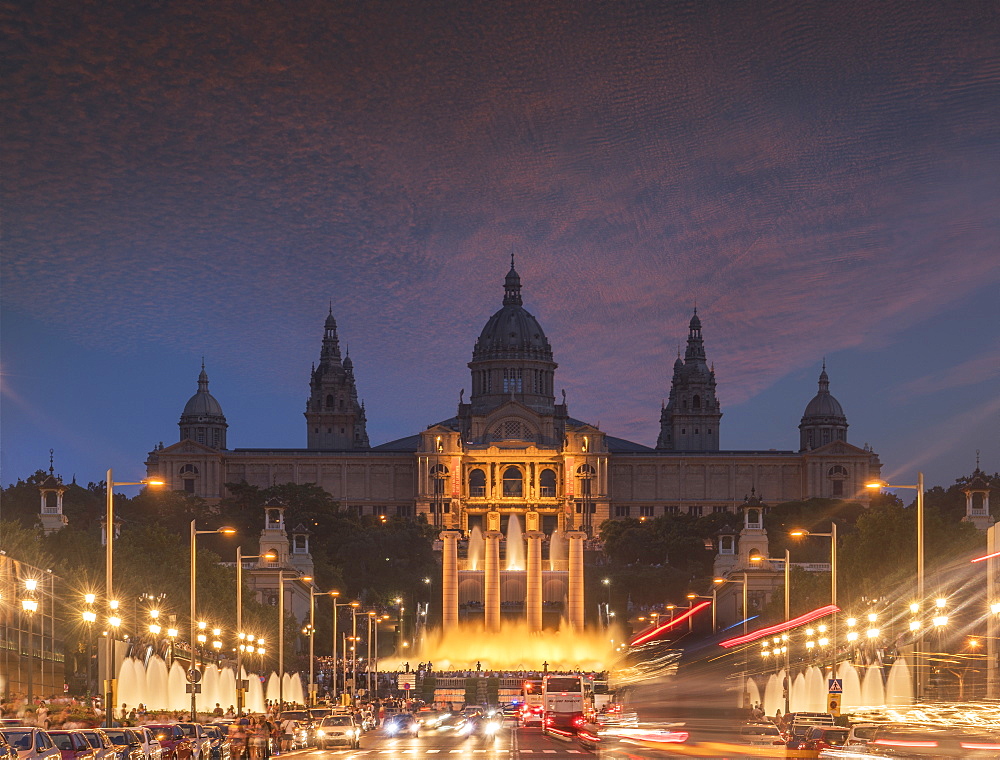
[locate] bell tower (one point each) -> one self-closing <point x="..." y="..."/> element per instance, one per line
<point x="690" y="420"/>
<point x="335" y="421"/>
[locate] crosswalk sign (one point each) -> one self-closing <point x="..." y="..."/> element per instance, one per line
<point x="836" y="686"/>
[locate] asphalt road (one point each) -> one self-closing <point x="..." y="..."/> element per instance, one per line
<point x="509" y="743"/>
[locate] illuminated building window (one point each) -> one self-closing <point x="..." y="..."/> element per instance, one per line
<point x="512" y="381"/>
<point x="547" y="483"/>
<point x="477" y="483"/>
<point x="513" y="482"/>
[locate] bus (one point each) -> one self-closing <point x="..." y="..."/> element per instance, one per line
<point x="565" y="701"/>
<point x="531" y="701"/>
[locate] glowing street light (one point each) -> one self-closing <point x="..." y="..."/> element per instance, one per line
<point x="194" y="593"/>
<point x="919" y="644"/>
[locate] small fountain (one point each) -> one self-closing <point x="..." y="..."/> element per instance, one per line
<point x="273" y="687"/>
<point x="774" y="699"/>
<point x="176" y="688"/>
<point x="255" y="695"/>
<point x="557" y="549"/>
<point x="899" y="686"/>
<point x="515" y="544"/>
<point x="477" y="545"/>
<point x="872" y="690"/>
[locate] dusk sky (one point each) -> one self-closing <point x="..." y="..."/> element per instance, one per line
<point x="185" y="179"/>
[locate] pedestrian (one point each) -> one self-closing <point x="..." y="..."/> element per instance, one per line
<point x="287" y="734"/>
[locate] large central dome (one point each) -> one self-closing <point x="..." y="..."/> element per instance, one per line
<point x="512" y="333"/>
<point x="512" y="357"/>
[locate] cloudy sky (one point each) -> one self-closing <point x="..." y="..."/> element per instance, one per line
<point x="184" y="179"/>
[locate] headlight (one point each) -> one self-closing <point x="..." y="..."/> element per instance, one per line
<point x="320" y="732"/>
<point x="492" y="727"/>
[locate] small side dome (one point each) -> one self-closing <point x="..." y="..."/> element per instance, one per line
<point x="202" y="403"/>
<point x="823" y="404"/>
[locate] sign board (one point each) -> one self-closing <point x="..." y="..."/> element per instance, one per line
<point x="194" y="676"/>
<point x="836" y="685"/>
<point x="193" y="688"/>
<point x="833" y="705"/>
<point x="406" y="681"/>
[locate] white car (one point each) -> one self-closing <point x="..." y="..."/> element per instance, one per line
<point x="338" y="729"/>
<point x="150" y="746"/>
<point x="31" y="743"/>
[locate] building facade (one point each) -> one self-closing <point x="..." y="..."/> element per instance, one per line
<point x="512" y="448"/>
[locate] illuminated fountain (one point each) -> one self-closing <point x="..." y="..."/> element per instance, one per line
<point x="507" y="606"/>
<point x="160" y="688"/>
<point x="864" y="687"/>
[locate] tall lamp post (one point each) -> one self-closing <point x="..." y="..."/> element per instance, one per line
<point x="109" y="530"/>
<point x="832" y="535"/>
<point x="90" y="617"/>
<point x="242" y="683"/>
<point x="718" y="582"/>
<point x="313" y="593"/>
<point x="788" y="577"/>
<point x="919" y="643"/>
<point x="281" y="631"/>
<point x="194" y="594"/>
<point x="29" y="606"/>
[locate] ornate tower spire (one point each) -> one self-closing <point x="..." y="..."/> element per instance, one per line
<point x="334" y="418"/>
<point x="690" y="420"/>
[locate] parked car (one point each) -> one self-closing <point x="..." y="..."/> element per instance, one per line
<point x="150" y="746"/>
<point x="174" y="742"/>
<point x="72" y="745"/>
<point x="127" y="744"/>
<point x="31" y="743"/>
<point x="338" y="729"/>
<point x="761" y="734"/>
<point x="914" y="742"/>
<point x="201" y="746"/>
<point x="103" y="748"/>
<point x="219" y="742"/>
<point x="7" y="752"/>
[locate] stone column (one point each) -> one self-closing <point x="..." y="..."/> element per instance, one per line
<point x="491" y="580"/>
<point x="449" y="578"/>
<point x="533" y="598"/>
<point x="575" y="591"/>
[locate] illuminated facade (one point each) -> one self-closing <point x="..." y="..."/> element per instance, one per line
<point x="513" y="448"/>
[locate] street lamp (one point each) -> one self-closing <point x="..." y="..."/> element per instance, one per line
<point x="354" y="651"/>
<point x="919" y="644"/>
<point x="312" y="635"/>
<point x="29" y="607"/>
<point x="832" y="535"/>
<point x="281" y="631"/>
<point x="194" y="593"/>
<point x="241" y="682"/>
<point x="109" y="530"/>
<point x="788" y="564"/>
<point x="606" y="582"/>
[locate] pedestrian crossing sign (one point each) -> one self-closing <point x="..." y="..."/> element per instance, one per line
<point x="836" y="686"/>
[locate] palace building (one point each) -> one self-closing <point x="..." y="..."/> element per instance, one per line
<point x="513" y="448"/>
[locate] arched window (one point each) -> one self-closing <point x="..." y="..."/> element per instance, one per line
<point x="726" y="545"/>
<point x="477" y="483"/>
<point x="189" y="469"/>
<point x="586" y="475"/>
<point x="753" y="518"/>
<point x="513" y="482"/>
<point x="547" y="483"/>
<point x="329" y="401"/>
<point x="439" y="474"/>
<point x="696" y="402"/>
<point x="837" y="475"/>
